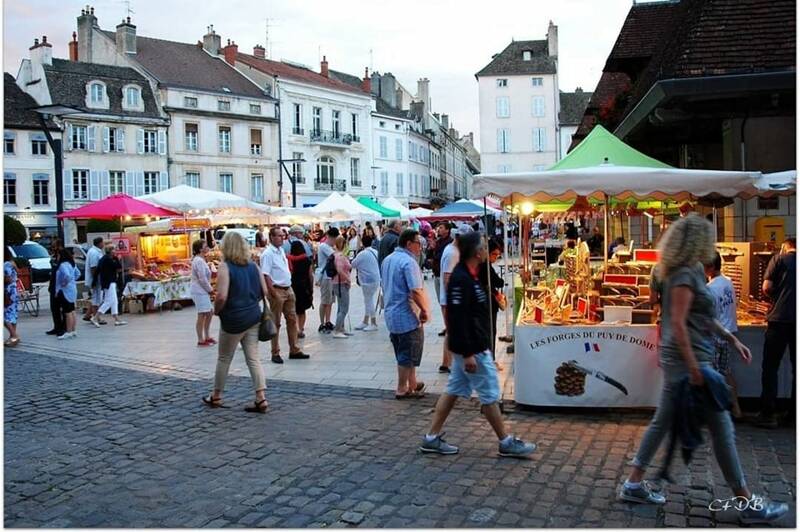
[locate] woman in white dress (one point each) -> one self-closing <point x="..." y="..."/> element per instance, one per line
<point x="201" y="291"/>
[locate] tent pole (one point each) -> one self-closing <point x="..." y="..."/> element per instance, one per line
<point x="605" y="231"/>
<point x="490" y="293"/>
<point x="507" y="273"/>
<point x="123" y="265"/>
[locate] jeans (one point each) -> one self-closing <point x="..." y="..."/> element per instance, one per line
<point x="719" y="424"/>
<point x="284" y="303"/>
<point x="227" y="347"/>
<point x="778" y="337"/>
<point x="342" y="294"/>
<point x="109" y="301"/>
<point x="370" y="292"/>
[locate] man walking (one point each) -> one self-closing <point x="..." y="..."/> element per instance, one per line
<point x="91" y="279"/>
<point x="324" y="282"/>
<point x="389" y="240"/>
<point x="406" y="310"/>
<point x="275" y="268"/>
<point x="473" y="368"/>
<point x="779" y="286"/>
<point x="59" y="321"/>
<point x="443" y="239"/>
<point x="448" y="263"/>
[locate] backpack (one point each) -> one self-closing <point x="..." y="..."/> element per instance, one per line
<point x="330" y="266"/>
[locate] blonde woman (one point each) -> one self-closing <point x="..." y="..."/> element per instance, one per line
<point x="341" y="287"/>
<point x="240" y="288"/>
<point x="687" y="352"/>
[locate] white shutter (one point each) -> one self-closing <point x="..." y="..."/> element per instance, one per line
<point x="69" y="137"/>
<point x="130" y="183"/>
<point x="105" y="189"/>
<point x="162" y="142"/>
<point x="120" y="140"/>
<point x="67" y="181"/>
<point x="106" y="140"/>
<point x="542" y="138"/>
<point x="91" y="132"/>
<point x="139" y="183"/>
<point x="163" y="181"/>
<point x="140" y="141"/>
<point x="500" y="140"/>
<point x="94" y="185"/>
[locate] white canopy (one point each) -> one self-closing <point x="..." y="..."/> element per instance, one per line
<point x="621" y="182"/>
<point x="394" y="204"/>
<point x="778" y="182"/>
<point x="479" y="203"/>
<point x="340" y="207"/>
<point x="184" y="198"/>
<point x="419" y="212"/>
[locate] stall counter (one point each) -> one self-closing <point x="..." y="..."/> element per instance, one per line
<point x="163" y="291"/>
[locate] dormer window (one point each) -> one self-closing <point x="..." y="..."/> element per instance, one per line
<point x="502" y="82"/>
<point x="132" y="98"/>
<point x="526" y="55"/>
<point x="96" y="95"/>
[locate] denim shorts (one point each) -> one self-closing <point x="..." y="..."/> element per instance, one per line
<point x="484" y="381"/>
<point x="408" y="347"/>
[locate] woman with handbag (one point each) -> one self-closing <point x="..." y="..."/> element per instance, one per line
<point x="10" y="303"/>
<point x="493" y="284"/>
<point x="240" y="288"/>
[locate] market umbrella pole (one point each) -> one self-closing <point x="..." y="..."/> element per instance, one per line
<point x="605" y="232"/>
<point x="489" y="277"/>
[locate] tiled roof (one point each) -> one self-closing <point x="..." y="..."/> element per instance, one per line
<point x="353" y="81"/>
<point x="643" y="30"/>
<point x="178" y="64"/>
<point x="573" y="104"/>
<point x="16" y="107"/>
<point x="67" y="81"/>
<point x="381" y="106"/>
<point x="510" y="61"/>
<point x="304" y="75"/>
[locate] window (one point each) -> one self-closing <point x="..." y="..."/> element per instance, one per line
<point x="502" y="82"/>
<point x="150" y="141"/>
<point x="538" y="106"/>
<point x="503" y="168"/>
<point x="190" y="136"/>
<point x="384" y="149"/>
<point x="399" y="184"/>
<point x="503" y="140"/>
<point x="116" y="182"/>
<point x="78" y="137"/>
<point x="384" y="183"/>
<point x="355" y="177"/>
<point x="317" y="120"/>
<point x="502" y="107"/>
<point x="188" y="101"/>
<point x="223" y="105"/>
<point x="255" y="142"/>
<point x="38" y="146"/>
<point x="297" y="168"/>
<point x="224" y="139"/>
<point x="255" y="109"/>
<point x="80" y="185"/>
<point x="226" y="183"/>
<point x="536" y="82"/>
<point x="297" y="119"/>
<point x="132" y="97"/>
<point x="9" y="188"/>
<point x="354" y="126"/>
<point x="114" y="139"/>
<point x="192" y="179"/>
<point x="382" y="123"/>
<point x="97" y="91"/>
<point x="526" y="55"/>
<point x="326" y="171"/>
<point x="335" y="121"/>
<point x="397" y="127"/>
<point x="41" y="189"/>
<point x="150" y="182"/>
<point x="539" y="139"/>
<point x="398" y="149"/>
<point x="8" y="143"/>
<point x="257" y="187"/>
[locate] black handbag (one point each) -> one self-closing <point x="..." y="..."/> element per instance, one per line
<point x="266" y="329"/>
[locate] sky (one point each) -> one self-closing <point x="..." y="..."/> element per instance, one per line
<point x="444" y="40"/>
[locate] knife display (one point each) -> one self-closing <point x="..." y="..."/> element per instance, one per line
<point x="599" y="375"/>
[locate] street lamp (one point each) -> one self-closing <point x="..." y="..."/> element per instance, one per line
<point x="373" y="168"/>
<point x="46" y="112"/>
<point x="283" y="162"/>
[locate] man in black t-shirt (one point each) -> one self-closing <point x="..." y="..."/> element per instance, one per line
<point x="779" y="286"/>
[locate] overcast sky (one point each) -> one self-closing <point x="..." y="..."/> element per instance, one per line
<point x="446" y="41"/>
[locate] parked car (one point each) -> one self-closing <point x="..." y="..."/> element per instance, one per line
<point x="37" y="255"/>
<point x="248" y="234"/>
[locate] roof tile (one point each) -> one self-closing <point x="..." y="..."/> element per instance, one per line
<point x="510" y="61"/>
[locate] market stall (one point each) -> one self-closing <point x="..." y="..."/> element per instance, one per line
<point x="585" y="334"/>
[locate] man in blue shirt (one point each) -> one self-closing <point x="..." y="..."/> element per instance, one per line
<point x="406" y="309"/>
<point x="296" y="232"/>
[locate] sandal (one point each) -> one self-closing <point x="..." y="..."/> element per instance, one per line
<point x="257" y="407"/>
<point x="400" y="396"/>
<point x="212" y="402"/>
<point x="11" y="342"/>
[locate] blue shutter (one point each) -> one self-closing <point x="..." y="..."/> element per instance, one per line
<point x="105" y="188"/>
<point x="106" y="139"/>
<point x="69" y="137"/>
<point x="67" y="179"/>
<point x="163" y="181"/>
<point x="94" y="185"/>
<point x="120" y="140"/>
<point x="139" y="183"/>
<point x="140" y="141"/>
<point x="130" y="183"/>
<point x="162" y="142"/>
<point x="91" y="133"/>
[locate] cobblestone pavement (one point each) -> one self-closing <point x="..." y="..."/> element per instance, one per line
<point x="97" y="446"/>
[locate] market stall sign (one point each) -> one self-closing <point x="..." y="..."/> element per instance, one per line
<point x="122" y="245"/>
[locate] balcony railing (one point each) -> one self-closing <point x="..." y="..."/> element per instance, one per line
<point x="298" y="131"/>
<point x="337" y="185"/>
<point x="330" y="137"/>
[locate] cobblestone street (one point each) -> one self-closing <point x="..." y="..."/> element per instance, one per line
<point x="88" y="445"/>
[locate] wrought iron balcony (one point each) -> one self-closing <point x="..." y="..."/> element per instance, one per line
<point x="330" y="137"/>
<point x="337" y="185"/>
<point x="298" y="131"/>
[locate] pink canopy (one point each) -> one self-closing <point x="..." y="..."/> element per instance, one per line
<point x="117" y="206"/>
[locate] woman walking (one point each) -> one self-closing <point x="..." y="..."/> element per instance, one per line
<point x="67" y="291"/>
<point x="201" y="291"/>
<point x="352" y="243"/>
<point x="10" y="303"/>
<point x="368" y="275"/>
<point x="108" y="269"/>
<point x="341" y="287"/>
<point x="687" y="351"/>
<point x="240" y="287"/>
<point x="302" y="283"/>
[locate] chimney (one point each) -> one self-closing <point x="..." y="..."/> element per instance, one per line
<point x="366" y="84"/>
<point x="418" y="111"/>
<point x="446" y="121"/>
<point x="552" y="40"/>
<point x="41" y="53"/>
<point x="126" y="37"/>
<point x="230" y="51"/>
<point x="212" y="43"/>
<point x="375" y="84"/>
<point x="73" y="47"/>
<point x="388" y="88"/>
<point x="423" y="94"/>
<point x="323" y="67"/>
<point x="86" y="24"/>
<point x="258" y="51"/>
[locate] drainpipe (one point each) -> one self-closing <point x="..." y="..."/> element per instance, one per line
<point x="743" y="161"/>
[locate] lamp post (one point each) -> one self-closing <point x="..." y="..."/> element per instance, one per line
<point x="283" y="168"/>
<point x="44" y="113"/>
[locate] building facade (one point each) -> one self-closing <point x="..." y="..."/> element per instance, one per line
<point x="519" y="106"/>
<point x="573" y="105"/>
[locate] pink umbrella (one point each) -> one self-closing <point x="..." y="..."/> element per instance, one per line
<point x="118" y="206"/>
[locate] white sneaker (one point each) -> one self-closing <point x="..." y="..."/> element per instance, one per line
<point x="360" y="327"/>
<point x="371" y="327"/>
<point x="120" y="323"/>
<point x="67" y="336"/>
<point x="337" y="334"/>
<point x="95" y="322"/>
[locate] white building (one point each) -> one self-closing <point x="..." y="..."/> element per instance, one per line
<point x="519" y="106"/>
<point x="29" y="187"/>
<point x="573" y="105"/>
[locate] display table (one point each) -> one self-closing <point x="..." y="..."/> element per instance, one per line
<point x="172" y="290"/>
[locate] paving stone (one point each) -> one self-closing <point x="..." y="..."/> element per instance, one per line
<point x="352" y="518"/>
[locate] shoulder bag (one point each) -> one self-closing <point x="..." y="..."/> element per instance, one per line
<point x="266" y="329"/>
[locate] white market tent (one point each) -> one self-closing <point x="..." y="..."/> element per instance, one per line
<point x="419" y="212"/>
<point x="187" y="199"/>
<point x="341" y="207"/>
<point x="394" y="204"/>
<point x="781" y="182"/>
<point x="479" y="203"/>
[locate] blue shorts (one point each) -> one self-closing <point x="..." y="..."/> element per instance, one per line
<point x="408" y="347"/>
<point x="484" y="381"/>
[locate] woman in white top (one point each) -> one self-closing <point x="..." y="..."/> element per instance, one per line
<point x="352" y="242"/>
<point x="201" y="291"/>
<point x="368" y="275"/>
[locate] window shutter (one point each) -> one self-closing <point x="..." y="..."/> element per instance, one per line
<point x="139" y="183"/>
<point x="140" y="141"/>
<point x="163" y="181"/>
<point x="500" y="140"/>
<point x="130" y="183"/>
<point x="67" y="179"/>
<point x="94" y="185"/>
<point x="106" y="140"/>
<point x="91" y="131"/>
<point x="162" y="142"/>
<point x="104" y="186"/>
<point x="120" y="140"/>
<point x="69" y="137"/>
